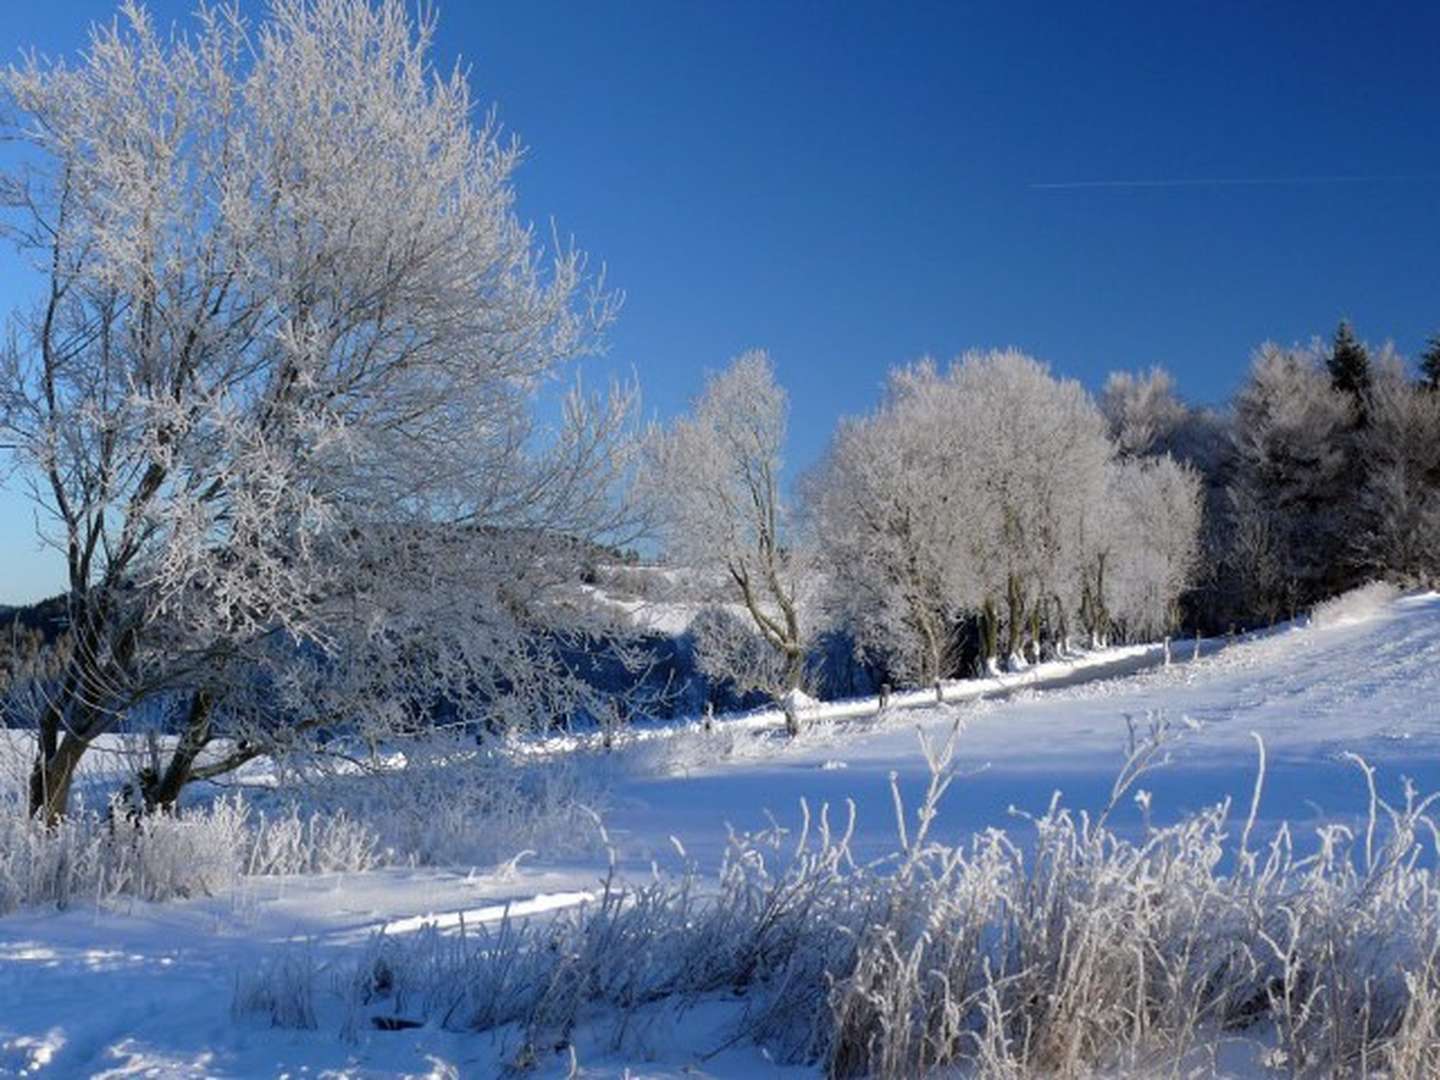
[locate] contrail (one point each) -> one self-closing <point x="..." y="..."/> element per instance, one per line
<point x="1229" y="181"/>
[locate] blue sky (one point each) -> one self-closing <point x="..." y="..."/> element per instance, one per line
<point x="855" y="185"/>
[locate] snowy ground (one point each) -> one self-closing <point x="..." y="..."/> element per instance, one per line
<point x="146" y="989"/>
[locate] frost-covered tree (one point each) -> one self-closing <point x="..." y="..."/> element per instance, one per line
<point x="890" y="515"/>
<point x="1430" y="363"/>
<point x="733" y="653"/>
<point x="1397" y="510"/>
<point x="1143" y="411"/>
<point x="1289" y="460"/>
<point x="1155" y="530"/>
<point x="1038" y="450"/>
<point x="276" y="395"/>
<point x="966" y="495"/>
<point x="714" y="479"/>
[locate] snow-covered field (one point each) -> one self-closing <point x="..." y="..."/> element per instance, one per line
<point x="135" y="989"/>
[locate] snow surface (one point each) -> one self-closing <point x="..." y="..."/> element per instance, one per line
<point x="140" y="989"/>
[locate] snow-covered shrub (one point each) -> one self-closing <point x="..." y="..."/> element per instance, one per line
<point x="1354" y="606"/>
<point x="447" y="802"/>
<point x="1074" y="952"/>
<point x="39" y="865"/>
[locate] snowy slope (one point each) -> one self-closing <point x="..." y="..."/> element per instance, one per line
<point x="1367" y="687"/>
<point x="147" y="989"/>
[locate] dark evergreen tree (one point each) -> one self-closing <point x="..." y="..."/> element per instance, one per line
<point x="1430" y="363"/>
<point x="1350" y="377"/>
<point x="1349" y="363"/>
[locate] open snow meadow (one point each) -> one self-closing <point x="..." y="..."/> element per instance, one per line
<point x="420" y="971"/>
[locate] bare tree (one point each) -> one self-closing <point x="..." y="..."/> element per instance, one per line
<point x="277" y="396"/>
<point x="714" y="477"/>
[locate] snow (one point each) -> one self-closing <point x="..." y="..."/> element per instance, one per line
<point x="797" y="699"/>
<point x="136" y="989"/>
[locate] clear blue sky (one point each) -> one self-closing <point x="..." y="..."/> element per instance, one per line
<point x="854" y="185"/>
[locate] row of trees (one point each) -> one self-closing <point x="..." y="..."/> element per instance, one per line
<point x="1323" y="473"/>
<point x="992" y="514"/>
<point x="980" y="515"/>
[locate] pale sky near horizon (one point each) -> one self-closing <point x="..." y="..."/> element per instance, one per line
<point x="855" y="185"/>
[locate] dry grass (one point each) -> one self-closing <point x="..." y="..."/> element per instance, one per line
<point x="1071" y="952"/>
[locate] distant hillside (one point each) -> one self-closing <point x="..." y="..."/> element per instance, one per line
<point x="47" y="617"/>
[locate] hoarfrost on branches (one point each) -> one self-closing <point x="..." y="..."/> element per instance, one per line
<point x="715" y="480"/>
<point x="277" y="400"/>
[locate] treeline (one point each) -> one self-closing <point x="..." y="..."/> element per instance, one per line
<point x="993" y="515"/>
<point x="33" y="644"/>
<point x="983" y="515"/>
<point x="1323" y="473"/>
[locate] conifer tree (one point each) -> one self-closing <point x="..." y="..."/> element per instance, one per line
<point x="1349" y="363"/>
<point x="1430" y="363"/>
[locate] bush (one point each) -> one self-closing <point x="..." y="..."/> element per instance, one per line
<point x="281" y="991"/>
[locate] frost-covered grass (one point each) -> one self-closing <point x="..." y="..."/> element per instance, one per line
<point x="448" y="802"/>
<point x="444" y="804"/>
<point x="95" y="857"/>
<point x="1070" y="951"/>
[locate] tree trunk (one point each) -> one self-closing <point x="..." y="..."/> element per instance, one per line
<point x="930" y="660"/>
<point x="76" y="714"/>
<point x="161" y="791"/>
<point x="989" y="634"/>
<point x="52" y="777"/>
<point x="1015" y="621"/>
<point x="794" y="667"/>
